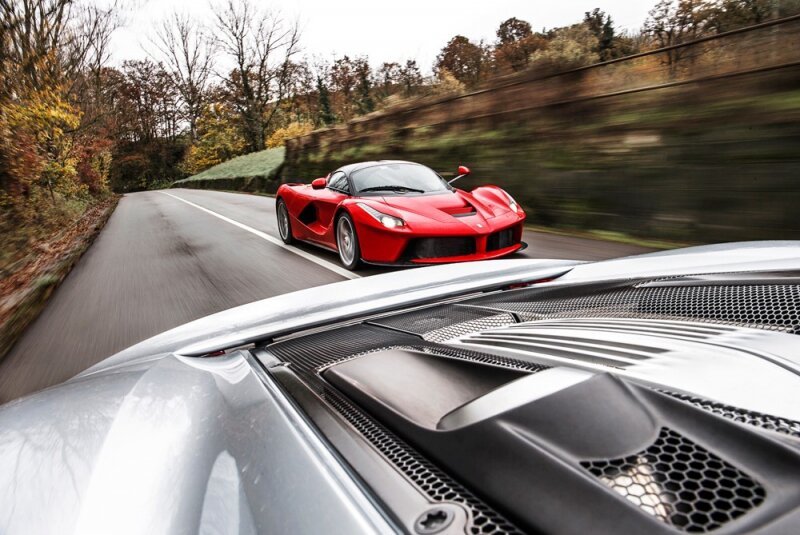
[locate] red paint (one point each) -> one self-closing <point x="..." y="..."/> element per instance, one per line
<point x="483" y="211"/>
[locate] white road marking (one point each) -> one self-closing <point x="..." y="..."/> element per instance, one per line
<point x="275" y="241"/>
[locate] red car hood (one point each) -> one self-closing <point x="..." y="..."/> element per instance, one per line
<point x="443" y="207"/>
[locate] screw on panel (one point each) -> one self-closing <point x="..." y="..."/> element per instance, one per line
<point x="433" y="521"/>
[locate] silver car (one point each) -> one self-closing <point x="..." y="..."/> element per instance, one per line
<point x="651" y="394"/>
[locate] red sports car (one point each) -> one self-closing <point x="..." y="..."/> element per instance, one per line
<point x="399" y="213"/>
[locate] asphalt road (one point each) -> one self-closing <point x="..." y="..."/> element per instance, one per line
<point x="166" y="258"/>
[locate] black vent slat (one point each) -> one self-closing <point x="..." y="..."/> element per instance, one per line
<point x="422" y="248"/>
<point x="500" y="240"/>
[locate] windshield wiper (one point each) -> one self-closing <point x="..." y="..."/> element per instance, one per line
<point x="392" y="188"/>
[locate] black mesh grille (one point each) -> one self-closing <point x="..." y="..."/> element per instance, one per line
<point x="500" y="240"/>
<point x="443" y="322"/>
<point x="439" y="247"/>
<point x="310" y="353"/>
<point x="467" y="327"/>
<point x="313" y="351"/>
<point x="316" y="351"/>
<point x="757" y="419"/>
<point x="775" y="306"/>
<point x="435" y="483"/>
<point x="681" y="483"/>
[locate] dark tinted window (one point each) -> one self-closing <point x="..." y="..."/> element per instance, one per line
<point x="397" y="175"/>
<point x="338" y="181"/>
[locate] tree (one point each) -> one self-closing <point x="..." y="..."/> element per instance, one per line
<point x="218" y="139"/>
<point x="410" y="77"/>
<point x="446" y="83"/>
<point x="466" y="61"/>
<point x="326" y="116"/>
<point x="292" y="130"/>
<point x="726" y="15"/>
<point x="188" y="53"/>
<point x="672" y="23"/>
<point x="365" y="103"/>
<point x="569" y="47"/>
<point x="601" y="25"/>
<point x="516" y="42"/>
<point x="513" y="31"/>
<point x="49" y="42"/>
<point x="149" y="104"/>
<point x="261" y="45"/>
<point x="388" y="78"/>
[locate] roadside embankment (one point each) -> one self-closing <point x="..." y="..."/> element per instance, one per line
<point x="254" y="172"/>
<point x="29" y="281"/>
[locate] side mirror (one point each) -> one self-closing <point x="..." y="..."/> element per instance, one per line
<point x="319" y="183"/>
<point x="463" y="171"/>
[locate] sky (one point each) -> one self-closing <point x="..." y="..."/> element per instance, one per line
<point x="381" y="30"/>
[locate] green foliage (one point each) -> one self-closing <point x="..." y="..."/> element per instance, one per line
<point x="365" y="102"/>
<point x="600" y="24"/>
<point x="326" y="116"/>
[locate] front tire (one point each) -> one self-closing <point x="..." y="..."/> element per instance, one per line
<point x="284" y="224"/>
<point x="347" y="242"/>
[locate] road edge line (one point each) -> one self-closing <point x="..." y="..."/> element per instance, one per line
<point x="273" y="240"/>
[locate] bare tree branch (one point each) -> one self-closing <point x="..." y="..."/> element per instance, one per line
<point x="261" y="45"/>
<point x="188" y="51"/>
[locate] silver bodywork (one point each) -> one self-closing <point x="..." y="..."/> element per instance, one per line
<point x="155" y="440"/>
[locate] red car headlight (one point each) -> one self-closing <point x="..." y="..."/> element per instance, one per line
<point x="388" y="221"/>
<point x="512" y="203"/>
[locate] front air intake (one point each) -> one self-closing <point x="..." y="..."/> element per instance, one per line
<point x="424" y="248"/>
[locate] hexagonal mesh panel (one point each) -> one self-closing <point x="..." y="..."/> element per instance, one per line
<point x="757" y="419"/>
<point x="681" y="483"/>
<point x="468" y="327"/>
<point x="775" y="306"/>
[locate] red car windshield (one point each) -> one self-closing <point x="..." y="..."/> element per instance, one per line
<point x="398" y="178"/>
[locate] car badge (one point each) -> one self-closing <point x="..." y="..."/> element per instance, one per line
<point x="480" y="226"/>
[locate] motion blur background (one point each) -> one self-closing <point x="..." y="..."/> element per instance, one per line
<point x="685" y="128"/>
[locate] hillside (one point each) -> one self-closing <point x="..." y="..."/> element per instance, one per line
<point x="252" y="172"/>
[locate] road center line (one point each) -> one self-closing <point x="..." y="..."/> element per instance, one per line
<point x="273" y="240"/>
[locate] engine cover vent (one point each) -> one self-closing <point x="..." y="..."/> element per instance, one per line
<point x="744" y="416"/>
<point x="707" y="360"/>
<point x="681" y="483"/>
<point x="772" y="306"/>
<point x="444" y="322"/>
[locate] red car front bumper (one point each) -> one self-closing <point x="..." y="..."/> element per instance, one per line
<point x="384" y="246"/>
